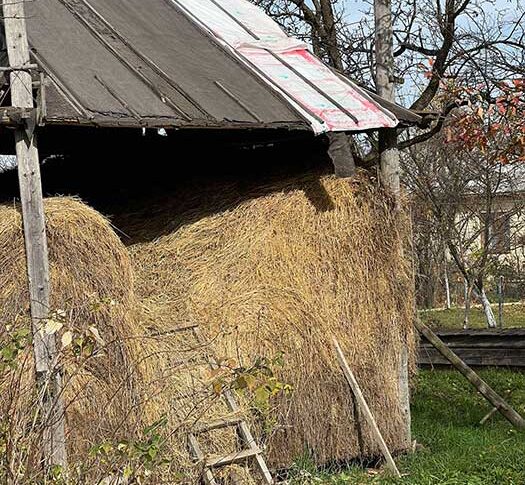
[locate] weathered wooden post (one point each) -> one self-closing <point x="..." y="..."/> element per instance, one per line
<point x="389" y="157"/>
<point x="44" y="345"/>
<point x="384" y="46"/>
<point x="500" y="301"/>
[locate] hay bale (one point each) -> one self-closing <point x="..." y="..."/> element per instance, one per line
<point x="92" y="287"/>
<point x="282" y="268"/>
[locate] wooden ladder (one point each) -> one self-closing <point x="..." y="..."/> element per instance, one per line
<point x="252" y="450"/>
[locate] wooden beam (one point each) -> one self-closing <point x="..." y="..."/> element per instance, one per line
<point x="404" y="395"/>
<point x="352" y="381"/>
<point x="484" y="389"/>
<point x="48" y="378"/>
<point x="11" y="116"/>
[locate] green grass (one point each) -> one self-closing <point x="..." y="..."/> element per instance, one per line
<point x="513" y="316"/>
<point x="456" y="449"/>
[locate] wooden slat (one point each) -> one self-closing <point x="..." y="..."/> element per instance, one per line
<point x="209" y="479"/>
<point x="217" y="424"/>
<point x="236" y="457"/>
<point x="11" y="116"/>
<point x="475" y="357"/>
<point x="478" y="347"/>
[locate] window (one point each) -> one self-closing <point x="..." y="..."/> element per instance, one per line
<point x="499" y="233"/>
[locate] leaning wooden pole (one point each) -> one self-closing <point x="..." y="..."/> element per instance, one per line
<point x="484" y="389"/>
<point x="363" y="406"/>
<point x="44" y="345"/>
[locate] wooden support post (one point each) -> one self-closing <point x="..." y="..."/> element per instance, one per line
<point x="47" y="377"/>
<point x="484" y="389"/>
<point x="494" y="410"/>
<point x="388" y="144"/>
<point x="404" y="396"/>
<point x="384" y="47"/>
<point x="364" y="407"/>
<point x="500" y="301"/>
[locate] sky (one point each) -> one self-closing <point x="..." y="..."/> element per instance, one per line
<point x="355" y="10"/>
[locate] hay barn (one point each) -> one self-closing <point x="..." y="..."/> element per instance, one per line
<point x="196" y="171"/>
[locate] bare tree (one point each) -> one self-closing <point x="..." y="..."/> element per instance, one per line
<point x="468" y="42"/>
<point x="462" y="195"/>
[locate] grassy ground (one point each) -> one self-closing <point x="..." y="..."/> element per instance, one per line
<point x="456" y="449"/>
<point x="513" y="316"/>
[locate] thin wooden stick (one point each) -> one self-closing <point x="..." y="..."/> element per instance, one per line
<point x="364" y="407"/>
<point x="484" y="389"/>
<point x="493" y="411"/>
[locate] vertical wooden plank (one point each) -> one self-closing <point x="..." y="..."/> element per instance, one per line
<point x="500" y="301"/>
<point x="44" y="346"/>
<point x="352" y="381"/>
<point x="404" y="396"/>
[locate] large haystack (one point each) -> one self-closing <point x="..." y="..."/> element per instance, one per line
<point x="123" y="368"/>
<point x="92" y="297"/>
<point x="283" y="268"/>
<point x="263" y="270"/>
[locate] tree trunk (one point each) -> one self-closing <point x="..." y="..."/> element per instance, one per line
<point x="489" y="314"/>
<point x="384" y="42"/>
<point x="448" y="303"/>
<point x="467" y="305"/>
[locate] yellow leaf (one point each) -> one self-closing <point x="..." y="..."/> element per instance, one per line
<point x="67" y="338"/>
<point x="52" y="326"/>
<point x="97" y="336"/>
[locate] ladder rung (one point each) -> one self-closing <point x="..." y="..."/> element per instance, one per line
<point x="217" y="461"/>
<point x="217" y="424"/>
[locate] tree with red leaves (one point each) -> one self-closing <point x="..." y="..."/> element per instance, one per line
<point x="458" y="180"/>
<point x="495" y="126"/>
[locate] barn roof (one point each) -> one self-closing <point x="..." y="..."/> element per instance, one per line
<point x="167" y="63"/>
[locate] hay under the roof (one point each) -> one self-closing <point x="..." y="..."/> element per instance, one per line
<point x="92" y="286"/>
<point x="129" y="371"/>
<point x="263" y="269"/>
<point x="283" y="268"/>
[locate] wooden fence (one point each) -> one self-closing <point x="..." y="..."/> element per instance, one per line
<point x="502" y="348"/>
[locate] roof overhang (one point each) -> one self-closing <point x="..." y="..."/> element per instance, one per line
<point x="179" y="64"/>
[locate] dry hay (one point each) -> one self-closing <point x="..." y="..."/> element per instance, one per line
<point x="283" y="268"/>
<point x="92" y="287"/>
<point x="263" y="269"/>
<point x="140" y="371"/>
